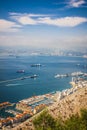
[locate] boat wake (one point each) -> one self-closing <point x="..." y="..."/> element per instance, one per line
<point x="21" y="78"/>
<point x="8" y="85"/>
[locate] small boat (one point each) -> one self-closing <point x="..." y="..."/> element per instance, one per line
<point x="77" y="64"/>
<point x="57" y="76"/>
<point x="33" y="76"/>
<point x="35" y="65"/>
<point x="85" y="75"/>
<point x="77" y="73"/>
<point x="61" y="75"/>
<point x="20" y="71"/>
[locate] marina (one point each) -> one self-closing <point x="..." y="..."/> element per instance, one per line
<point x="5" y="105"/>
<point x="12" y="112"/>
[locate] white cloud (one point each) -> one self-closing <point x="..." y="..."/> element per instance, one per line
<point x="34" y="19"/>
<point x="20" y="20"/>
<point x="76" y="3"/>
<point x="27" y="20"/>
<point x="8" y="26"/>
<point x="12" y="14"/>
<point x="63" y="22"/>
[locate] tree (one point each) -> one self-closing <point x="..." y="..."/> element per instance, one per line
<point x="44" y="121"/>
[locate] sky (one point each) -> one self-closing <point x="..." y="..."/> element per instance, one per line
<point x="52" y="24"/>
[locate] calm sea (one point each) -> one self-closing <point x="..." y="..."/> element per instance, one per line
<point x="13" y="91"/>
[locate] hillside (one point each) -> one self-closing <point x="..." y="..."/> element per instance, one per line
<point x="70" y="105"/>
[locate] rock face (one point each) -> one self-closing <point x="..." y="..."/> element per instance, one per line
<point x="69" y="105"/>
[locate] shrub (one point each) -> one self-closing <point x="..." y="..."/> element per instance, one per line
<point x="46" y="122"/>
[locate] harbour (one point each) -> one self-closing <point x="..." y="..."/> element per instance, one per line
<point x="33" y="105"/>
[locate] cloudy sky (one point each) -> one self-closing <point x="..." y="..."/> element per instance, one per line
<point x="58" y="24"/>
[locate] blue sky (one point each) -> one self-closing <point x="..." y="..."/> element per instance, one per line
<point x="49" y="24"/>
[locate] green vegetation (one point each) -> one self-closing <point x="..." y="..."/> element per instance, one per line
<point x="46" y="122"/>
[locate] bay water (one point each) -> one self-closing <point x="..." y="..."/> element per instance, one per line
<point x="16" y="90"/>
